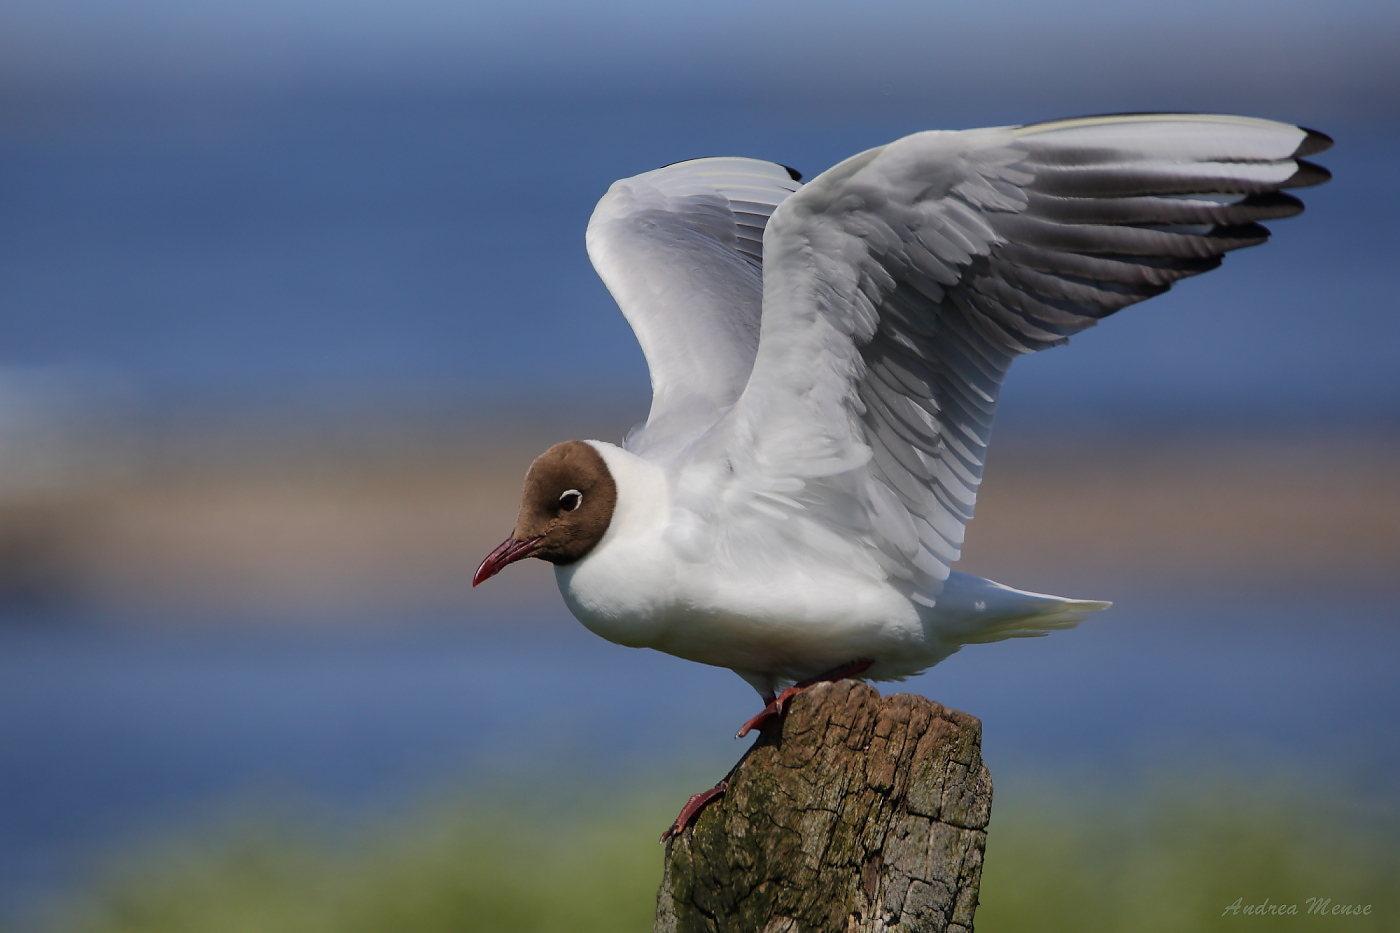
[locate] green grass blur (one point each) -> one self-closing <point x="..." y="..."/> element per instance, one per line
<point x="1170" y="857"/>
<point x="1176" y="854"/>
<point x="470" y="865"/>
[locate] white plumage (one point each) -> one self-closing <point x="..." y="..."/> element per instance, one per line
<point x="825" y="362"/>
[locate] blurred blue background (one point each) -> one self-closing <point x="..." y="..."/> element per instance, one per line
<point x="291" y="293"/>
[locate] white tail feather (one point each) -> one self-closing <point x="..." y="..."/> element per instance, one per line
<point x="973" y="611"/>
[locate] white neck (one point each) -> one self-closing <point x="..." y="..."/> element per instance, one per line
<point x="643" y="494"/>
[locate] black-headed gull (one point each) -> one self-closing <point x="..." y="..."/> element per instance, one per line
<point x="825" y="360"/>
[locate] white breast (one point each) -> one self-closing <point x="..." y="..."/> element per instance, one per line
<point x="752" y="607"/>
<point x="619" y="590"/>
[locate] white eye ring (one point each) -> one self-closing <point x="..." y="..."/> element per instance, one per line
<point x="570" y="504"/>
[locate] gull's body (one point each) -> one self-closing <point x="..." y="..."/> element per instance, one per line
<point x="825" y="362"/>
<point x="773" y="602"/>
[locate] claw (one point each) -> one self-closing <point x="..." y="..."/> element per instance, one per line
<point x="772" y="710"/>
<point x="692" y="808"/>
<point x="776" y="707"/>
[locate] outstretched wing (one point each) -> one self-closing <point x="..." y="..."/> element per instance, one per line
<point x="900" y="284"/>
<point x="681" y="250"/>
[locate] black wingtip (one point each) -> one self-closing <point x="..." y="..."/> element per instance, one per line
<point x="1271" y="205"/>
<point x="793" y="173"/>
<point x="682" y="162"/>
<point x="1235" y="236"/>
<point x="1313" y="143"/>
<point x="1308" y="174"/>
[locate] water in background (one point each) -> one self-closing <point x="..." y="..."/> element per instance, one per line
<point x="113" y="736"/>
<point x="361" y="252"/>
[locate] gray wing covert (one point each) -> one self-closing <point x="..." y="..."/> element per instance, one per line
<point x="931" y="263"/>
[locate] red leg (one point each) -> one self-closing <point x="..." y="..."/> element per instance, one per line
<point x="776" y="706"/>
<point x="692" y="809"/>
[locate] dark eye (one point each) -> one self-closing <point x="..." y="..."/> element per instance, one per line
<point x="570" y="499"/>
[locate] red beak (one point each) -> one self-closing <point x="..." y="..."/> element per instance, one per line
<point x="509" y="552"/>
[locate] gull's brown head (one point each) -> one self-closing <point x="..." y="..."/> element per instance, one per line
<point x="564" y="512"/>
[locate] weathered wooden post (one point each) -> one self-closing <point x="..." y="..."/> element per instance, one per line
<point x="858" y="814"/>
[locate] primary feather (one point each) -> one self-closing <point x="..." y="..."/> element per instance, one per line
<point x="899" y="285"/>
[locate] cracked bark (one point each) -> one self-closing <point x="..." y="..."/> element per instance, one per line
<point x="858" y="814"/>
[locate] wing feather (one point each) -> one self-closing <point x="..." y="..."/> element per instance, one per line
<point x="681" y="250"/>
<point x="899" y="286"/>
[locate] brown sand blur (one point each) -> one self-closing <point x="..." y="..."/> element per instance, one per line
<point x="391" y="530"/>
